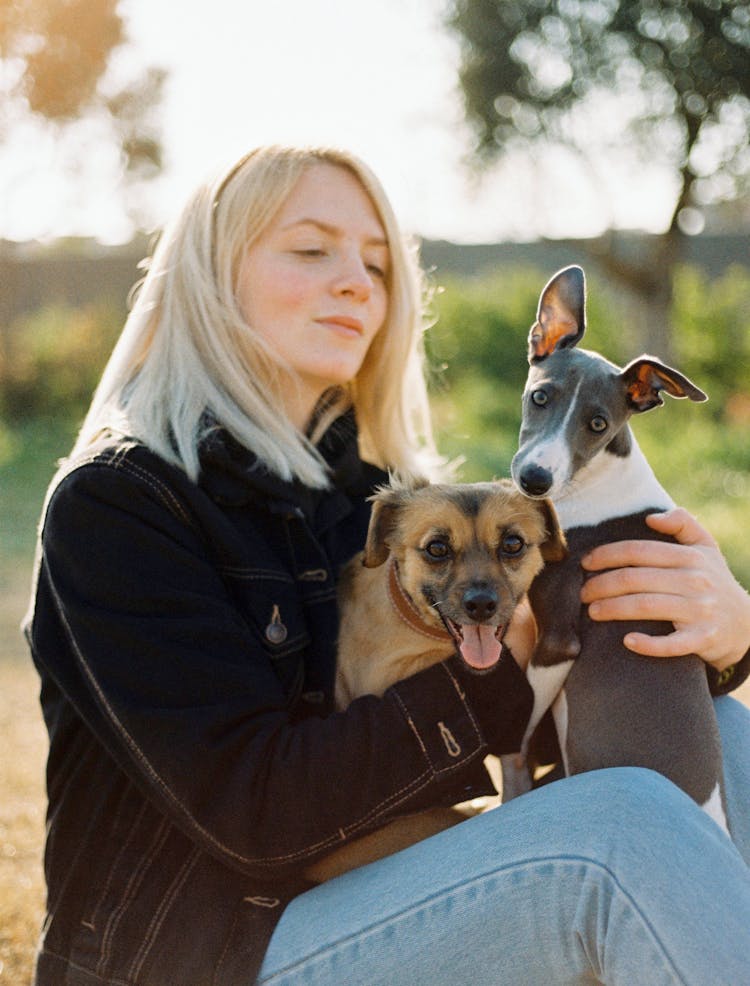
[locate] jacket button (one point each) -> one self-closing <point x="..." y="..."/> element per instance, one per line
<point x="276" y="632"/>
<point x="727" y="674"/>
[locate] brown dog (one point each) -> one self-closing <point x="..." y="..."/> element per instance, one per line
<point x="443" y="569"/>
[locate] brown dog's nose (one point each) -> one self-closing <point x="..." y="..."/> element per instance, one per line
<point x="480" y="603"/>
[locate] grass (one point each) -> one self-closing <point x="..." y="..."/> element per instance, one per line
<point x="27" y="461"/>
<point x="23" y="741"/>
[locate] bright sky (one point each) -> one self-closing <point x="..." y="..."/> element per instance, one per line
<point x="376" y="76"/>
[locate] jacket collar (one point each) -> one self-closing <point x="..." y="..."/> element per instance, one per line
<point x="232" y="475"/>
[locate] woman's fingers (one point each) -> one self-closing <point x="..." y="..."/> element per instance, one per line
<point x="680" y="524"/>
<point x="685" y="582"/>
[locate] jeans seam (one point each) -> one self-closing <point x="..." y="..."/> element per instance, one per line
<point x="427" y="901"/>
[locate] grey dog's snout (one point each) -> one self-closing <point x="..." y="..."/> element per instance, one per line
<point x="480" y="603"/>
<point x="535" y="480"/>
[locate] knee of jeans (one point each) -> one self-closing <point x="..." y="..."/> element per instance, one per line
<point x="734" y="720"/>
<point x="633" y="800"/>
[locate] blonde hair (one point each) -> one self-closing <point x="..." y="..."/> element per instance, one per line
<point x="187" y="361"/>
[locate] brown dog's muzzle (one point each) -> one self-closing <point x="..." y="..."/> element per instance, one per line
<point x="480" y="603"/>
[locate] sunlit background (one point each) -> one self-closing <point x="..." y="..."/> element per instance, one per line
<point x="613" y="133"/>
<point x="378" y="78"/>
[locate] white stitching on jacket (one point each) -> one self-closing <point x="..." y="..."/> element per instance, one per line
<point x="131" y="889"/>
<point x="161" y="913"/>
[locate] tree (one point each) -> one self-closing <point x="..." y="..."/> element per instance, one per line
<point x="678" y="72"/>
<point x="58" y="64"/>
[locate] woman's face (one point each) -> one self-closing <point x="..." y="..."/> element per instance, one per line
<point x="313" y="285"/>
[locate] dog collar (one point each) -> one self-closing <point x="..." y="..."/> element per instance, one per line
<point x="407" y="611"/>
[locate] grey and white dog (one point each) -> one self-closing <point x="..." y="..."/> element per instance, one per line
<point x="610" y="706"/>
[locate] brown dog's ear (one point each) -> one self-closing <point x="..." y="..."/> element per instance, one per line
<point x="646" y="377"/>
<point x="561" y="315"/>
<point x="385" y="507"/>
<point x="555" y="547"/>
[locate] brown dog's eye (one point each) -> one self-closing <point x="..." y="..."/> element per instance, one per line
<point x="512" y="544"/>
<point x="438" y="549"/>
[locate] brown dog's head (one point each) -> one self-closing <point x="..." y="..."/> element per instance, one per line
<point x="466" y="554"/>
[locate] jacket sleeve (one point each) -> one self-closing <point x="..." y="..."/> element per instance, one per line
<point x="726" y="681"/>
<point x="159" y="664"/>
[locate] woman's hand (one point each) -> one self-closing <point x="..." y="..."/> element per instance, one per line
<point x="688" y="584"/>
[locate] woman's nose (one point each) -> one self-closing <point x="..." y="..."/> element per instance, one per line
<point x="354" y="278"/>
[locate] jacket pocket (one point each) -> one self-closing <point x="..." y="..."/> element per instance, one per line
<point x="269" y="602"/>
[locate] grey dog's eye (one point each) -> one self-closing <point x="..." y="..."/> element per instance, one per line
<point x="539" y="397"/>
<point x="512" y="544"/>
<point x="438" y="549"/>
<point x="598" y="423"/>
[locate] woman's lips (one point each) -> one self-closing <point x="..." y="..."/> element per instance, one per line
<point x="347" y="323"/>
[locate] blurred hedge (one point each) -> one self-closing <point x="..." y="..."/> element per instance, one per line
<point x="50" y="362"/>
<point x="51" y="359"/>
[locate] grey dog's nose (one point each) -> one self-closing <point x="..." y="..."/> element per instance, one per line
<point x="480" y="603"/>
<point x="535" y="481"/>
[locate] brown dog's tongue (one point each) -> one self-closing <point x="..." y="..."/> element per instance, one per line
<point x="480" y="647"/>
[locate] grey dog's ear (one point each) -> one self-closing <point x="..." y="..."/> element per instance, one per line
<point x="645" y="378"/>
<point x="555" y="547"/>
<point x="561" y="315"/>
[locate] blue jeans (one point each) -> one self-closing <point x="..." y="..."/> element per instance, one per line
<point x="614" y="876"/>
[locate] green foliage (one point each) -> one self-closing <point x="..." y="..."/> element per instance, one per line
<point x="52" y="360"/>
<point x="477" y="351"/>
<point x="700" y="452"/>
<point x="712" y="337"/>
<point x="61" y="75"/>
<point x="680" y="70"/>
<point x="57" y="56"/>
<point x="477" y="348"/>
<point x="29" y="451"/>
<point x="607" y="80"/>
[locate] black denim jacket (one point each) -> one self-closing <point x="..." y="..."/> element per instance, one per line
<point x="184" y="635"/>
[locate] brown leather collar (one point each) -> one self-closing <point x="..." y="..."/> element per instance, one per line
<point x="407" y="611"/>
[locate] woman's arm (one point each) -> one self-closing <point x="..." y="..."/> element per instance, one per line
<point x="136" y="627"/>
<point x="688" y="583"/>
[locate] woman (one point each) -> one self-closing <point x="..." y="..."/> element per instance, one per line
<point x="184" y="626"/>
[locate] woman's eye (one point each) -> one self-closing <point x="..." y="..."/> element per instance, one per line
<point x="310" y="252"/>
<point x="376" y="271"/>
<point x="598" y="423"/>
<point x="512" y="544"/>
<point x="438" y="549"/>
<point x="539" y="397"/>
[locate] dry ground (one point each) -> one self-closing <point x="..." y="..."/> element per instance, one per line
<point x="23" y="745"/>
